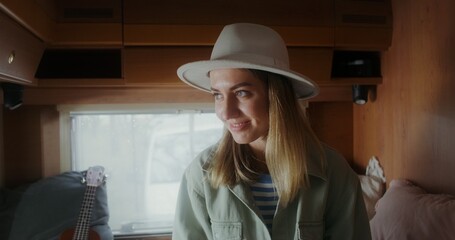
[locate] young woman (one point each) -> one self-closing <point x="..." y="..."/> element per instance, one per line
<point x="268" y="177"/>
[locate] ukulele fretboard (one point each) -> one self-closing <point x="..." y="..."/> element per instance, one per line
<point x="83" y="222"/>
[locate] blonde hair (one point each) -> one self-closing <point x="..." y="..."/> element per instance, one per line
<point x="287" y="163"/>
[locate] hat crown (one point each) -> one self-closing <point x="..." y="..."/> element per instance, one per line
<point x="251" y="43"/>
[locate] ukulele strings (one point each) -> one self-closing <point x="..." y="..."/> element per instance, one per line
<point x="83" y="222"/>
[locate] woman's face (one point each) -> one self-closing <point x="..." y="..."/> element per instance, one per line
<point x="241" y="102"/>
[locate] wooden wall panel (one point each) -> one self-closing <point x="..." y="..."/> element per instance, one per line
<point x="50" y="140"/>
<point x="31" y="144"/>
<point x="411" y="124"/>
<point x="332" y="123"/>
<point x="22" y="146"/>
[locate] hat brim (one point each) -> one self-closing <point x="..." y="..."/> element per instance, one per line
<point x="196" y="74"/>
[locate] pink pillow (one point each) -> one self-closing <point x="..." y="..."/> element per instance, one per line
<point x="406" y="211"/>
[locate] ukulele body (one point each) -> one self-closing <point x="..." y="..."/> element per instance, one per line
<point x="69" y="233"/>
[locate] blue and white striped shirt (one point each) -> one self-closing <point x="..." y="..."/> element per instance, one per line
<point x="266" y="198"/>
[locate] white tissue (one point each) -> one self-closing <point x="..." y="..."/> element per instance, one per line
<point x="374" y="170"/>
<point x="373" y="184"/>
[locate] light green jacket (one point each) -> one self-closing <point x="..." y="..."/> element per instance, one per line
<point x="331" y="208"/>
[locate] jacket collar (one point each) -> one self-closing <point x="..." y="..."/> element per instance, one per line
<point x="316" y="164"/>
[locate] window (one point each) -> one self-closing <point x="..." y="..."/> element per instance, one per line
<point x="144" y="155"/>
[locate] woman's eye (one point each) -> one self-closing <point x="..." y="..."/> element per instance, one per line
<point x="217" y="96"/>
<point x="241" y="93"/>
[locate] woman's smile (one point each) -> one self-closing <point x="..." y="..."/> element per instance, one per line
<point x="239" y="126"/>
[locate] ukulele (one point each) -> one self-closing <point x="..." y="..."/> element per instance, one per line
<point x="94" y="178"/>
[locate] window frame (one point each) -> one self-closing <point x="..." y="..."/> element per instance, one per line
<point x="67" y="110"/>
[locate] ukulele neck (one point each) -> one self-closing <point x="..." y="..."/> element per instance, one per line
<point x="83" y="222"/>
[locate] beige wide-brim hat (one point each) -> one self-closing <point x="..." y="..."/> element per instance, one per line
<point x="249" y="46"/>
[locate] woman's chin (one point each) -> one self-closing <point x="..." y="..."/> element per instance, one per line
<point x="242" y="139"/>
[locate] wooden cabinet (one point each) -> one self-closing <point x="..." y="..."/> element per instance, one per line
<point x="352" y="24"/>
<point x="181" y="22"/>
<point x="365" y="24"/>
<point x="20" y="52"/>
<point x="157" y="66"/>
<point x="157" y="37"/>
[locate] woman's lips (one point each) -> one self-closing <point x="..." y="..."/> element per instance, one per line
<point x="239" y="126"/>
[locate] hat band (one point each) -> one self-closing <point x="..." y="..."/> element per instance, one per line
<point x="254" y="59"/>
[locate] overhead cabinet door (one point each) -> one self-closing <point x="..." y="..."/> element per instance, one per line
<point x="20" y="52"/>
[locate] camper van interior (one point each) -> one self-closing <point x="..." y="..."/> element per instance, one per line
<point x="93" y="83"/>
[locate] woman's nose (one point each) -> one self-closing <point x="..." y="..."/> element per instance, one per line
<point x="227" y="109"/>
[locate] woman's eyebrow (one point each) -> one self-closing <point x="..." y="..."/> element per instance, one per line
<point x="238" y="85"/>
